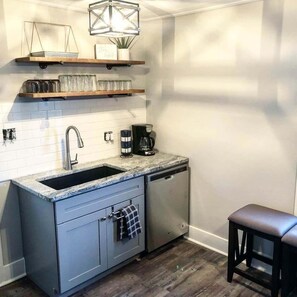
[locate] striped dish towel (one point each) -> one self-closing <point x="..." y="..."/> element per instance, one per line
<point x="129" y="223"/>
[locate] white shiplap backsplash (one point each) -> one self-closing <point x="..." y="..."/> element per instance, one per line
<point x="40" y="130"/>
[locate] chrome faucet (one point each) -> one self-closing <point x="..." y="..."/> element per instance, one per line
<point x="80" y="144"/>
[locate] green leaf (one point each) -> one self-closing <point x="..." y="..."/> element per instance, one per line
<point x="122" y="42"/>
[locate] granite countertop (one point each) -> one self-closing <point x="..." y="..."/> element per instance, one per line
<point x="133" y="167"/>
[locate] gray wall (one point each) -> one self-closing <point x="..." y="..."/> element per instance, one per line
<point x="11" y="254"/>
<point x="222" y="91"/>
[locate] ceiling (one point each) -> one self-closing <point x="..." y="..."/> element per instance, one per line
<point x="151" y="9"/>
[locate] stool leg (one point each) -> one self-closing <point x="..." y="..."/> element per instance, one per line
<point x="285" y="271"/>
<point x="288" y="282"/>
<point x="231" y="251"/>
<point x="276" y="267"/>
<point x="249" y="249"/>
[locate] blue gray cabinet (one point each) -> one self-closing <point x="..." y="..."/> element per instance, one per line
<point x="82" y="249"/>
<point x="69" y="243"/>
<point x="119" y="251"/>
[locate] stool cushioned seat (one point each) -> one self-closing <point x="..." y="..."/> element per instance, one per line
<point x="263" y="222"/>
<point x="263" y="219"/>
<point x="291" y="237"/>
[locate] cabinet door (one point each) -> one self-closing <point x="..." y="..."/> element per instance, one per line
<point x="119" y="251"/>
<point x="81" y="249"/>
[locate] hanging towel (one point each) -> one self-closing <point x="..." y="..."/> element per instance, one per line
<point x="129" y="222"/>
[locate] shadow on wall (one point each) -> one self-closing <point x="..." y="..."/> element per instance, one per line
<point x="261" y="76"/>
<point x="10" y="226"/>
<point x="237" y="67"/>
<point x="2" y="35"/>
<point x="253" y="82"/>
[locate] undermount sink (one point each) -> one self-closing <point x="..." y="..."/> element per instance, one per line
<point x="70" y="180"/>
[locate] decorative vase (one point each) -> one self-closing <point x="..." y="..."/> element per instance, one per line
<point x="123" y="54"/>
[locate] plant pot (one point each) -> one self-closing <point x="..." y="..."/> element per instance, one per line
<point x="123" y="54"/>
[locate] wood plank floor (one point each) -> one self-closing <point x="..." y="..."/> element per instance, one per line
<point x="183" y="269"/>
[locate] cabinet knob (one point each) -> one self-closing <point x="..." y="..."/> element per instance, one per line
<point x="103" y="219"/>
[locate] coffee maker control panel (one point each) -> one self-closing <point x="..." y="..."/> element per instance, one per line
<point x="149" y="128"/>
<point x="149" y="153"/>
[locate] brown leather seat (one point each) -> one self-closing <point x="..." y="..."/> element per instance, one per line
<point x="264" y="219"/>
<point x="256" y="220"/>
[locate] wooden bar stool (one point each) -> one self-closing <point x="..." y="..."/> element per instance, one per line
<point x="289" y="261"/>
<point x="265" y="223"/>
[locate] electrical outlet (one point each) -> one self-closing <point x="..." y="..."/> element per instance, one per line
<point x="9" y="134"/>
<point x="108" y="136"/>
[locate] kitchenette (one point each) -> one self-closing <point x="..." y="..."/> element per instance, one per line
<point x="82" y="219"/>
<point x="126" y="145"/>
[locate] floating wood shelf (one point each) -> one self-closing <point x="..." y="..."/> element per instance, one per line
<point x="45" y="61"/>
<point x="65" y="95"/>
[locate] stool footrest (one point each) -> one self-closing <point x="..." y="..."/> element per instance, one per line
<point x="252" y="278"/>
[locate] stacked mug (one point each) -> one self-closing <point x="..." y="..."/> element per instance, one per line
<point x="126" y="143"/>
<point x="41" y="86"/>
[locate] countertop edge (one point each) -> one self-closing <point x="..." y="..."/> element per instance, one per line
<point x="162" y="161"/>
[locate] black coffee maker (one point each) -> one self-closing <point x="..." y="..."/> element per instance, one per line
<point x="143" y="143"/>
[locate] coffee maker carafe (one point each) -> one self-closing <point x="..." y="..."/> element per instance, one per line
<point x="143" y="143"/>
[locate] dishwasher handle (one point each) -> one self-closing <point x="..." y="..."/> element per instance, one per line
<point x="167" y="174"/>
<point x="169" y="177"/>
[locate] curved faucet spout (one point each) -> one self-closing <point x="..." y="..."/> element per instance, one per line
<point x="80" y="144"/>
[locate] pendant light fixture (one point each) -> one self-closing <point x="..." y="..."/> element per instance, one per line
<point x="114" y="18"/>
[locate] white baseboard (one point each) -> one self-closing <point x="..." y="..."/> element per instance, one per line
<point x="12" y="271"/>
<point x="208" y="240"/>
<point x="219" y="245"/>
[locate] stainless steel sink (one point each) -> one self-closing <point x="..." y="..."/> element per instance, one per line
<point x="74" y="179"/>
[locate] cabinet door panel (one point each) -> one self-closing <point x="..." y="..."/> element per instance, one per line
<point x="119" y="251"/>
<point x="82" y="249"/>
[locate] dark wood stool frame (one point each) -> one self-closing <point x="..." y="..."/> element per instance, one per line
<point x="289" y="269"/>
<point x="236" y="256"/>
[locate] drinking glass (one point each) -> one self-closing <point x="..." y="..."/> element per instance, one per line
<point x="64" y="83"/>
<point x="116" y="85"/>
<point x="92" y="82"/>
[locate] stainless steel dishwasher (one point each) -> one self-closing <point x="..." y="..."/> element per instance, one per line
<point x="167" y="206"/>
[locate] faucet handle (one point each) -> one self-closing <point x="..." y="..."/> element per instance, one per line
<point x="73" y="162"/>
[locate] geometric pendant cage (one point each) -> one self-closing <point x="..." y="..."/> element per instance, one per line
<point x="114" y="18"/>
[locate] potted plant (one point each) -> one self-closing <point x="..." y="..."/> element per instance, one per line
<point x="123" y="44"/>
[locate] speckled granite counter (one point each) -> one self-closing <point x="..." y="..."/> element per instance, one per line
<point x="133" y="167"/>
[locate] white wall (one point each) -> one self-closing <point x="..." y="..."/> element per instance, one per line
<point x="222" y="91"/>
<point x="40" y="126"/>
